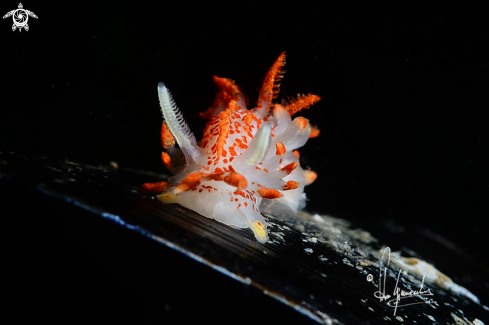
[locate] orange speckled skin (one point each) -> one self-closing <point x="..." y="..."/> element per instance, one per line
<point x="245" y="155"/>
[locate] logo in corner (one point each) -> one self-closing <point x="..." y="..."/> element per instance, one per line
<point x="20" y="17"/>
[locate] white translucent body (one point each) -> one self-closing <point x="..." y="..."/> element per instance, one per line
<point x="258" y="163"/>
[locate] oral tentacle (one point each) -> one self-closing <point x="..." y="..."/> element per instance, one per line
<point x="177" y="126"/>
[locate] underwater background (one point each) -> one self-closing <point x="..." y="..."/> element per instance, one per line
<point x="403" y="123"/>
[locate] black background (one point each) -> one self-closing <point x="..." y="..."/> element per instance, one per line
<point x="404" y="90"/>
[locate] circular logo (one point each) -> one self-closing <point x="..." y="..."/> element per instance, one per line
<point x="20" y="18"/>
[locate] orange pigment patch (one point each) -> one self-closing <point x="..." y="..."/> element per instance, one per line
<point x="223" y="132"/>
<point x="208" y="188"/>
<point x="257" y="120"/>
<point x="241" y="144"/>
<point x="268" y="193"/>
<point x="291" y="185"/>
<point x="157" y="187"/>
<point x="247" y="118"/>
<point x="289" y="168"/>
<point x="296" y="153"/>
<point x="231" y="107"/>
<point x="231" y="178"/>
<point x="280" y="149"/>
<point x="310" y="176"/>
<point x="314" y="133"/>
<point x="167" y="139"/>
<point x="236" y="180"/>
<point x="190" y="181"/>
<point x="241" y="193"/>
<point x="166" y="159"/>
<point x="211" y="127"/>
<point x="301" y="122"/>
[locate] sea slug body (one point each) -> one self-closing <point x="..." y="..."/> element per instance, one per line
<point x="245" y="156"/>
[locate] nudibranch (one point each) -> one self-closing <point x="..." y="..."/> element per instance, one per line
<point x="245" y="156"/>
